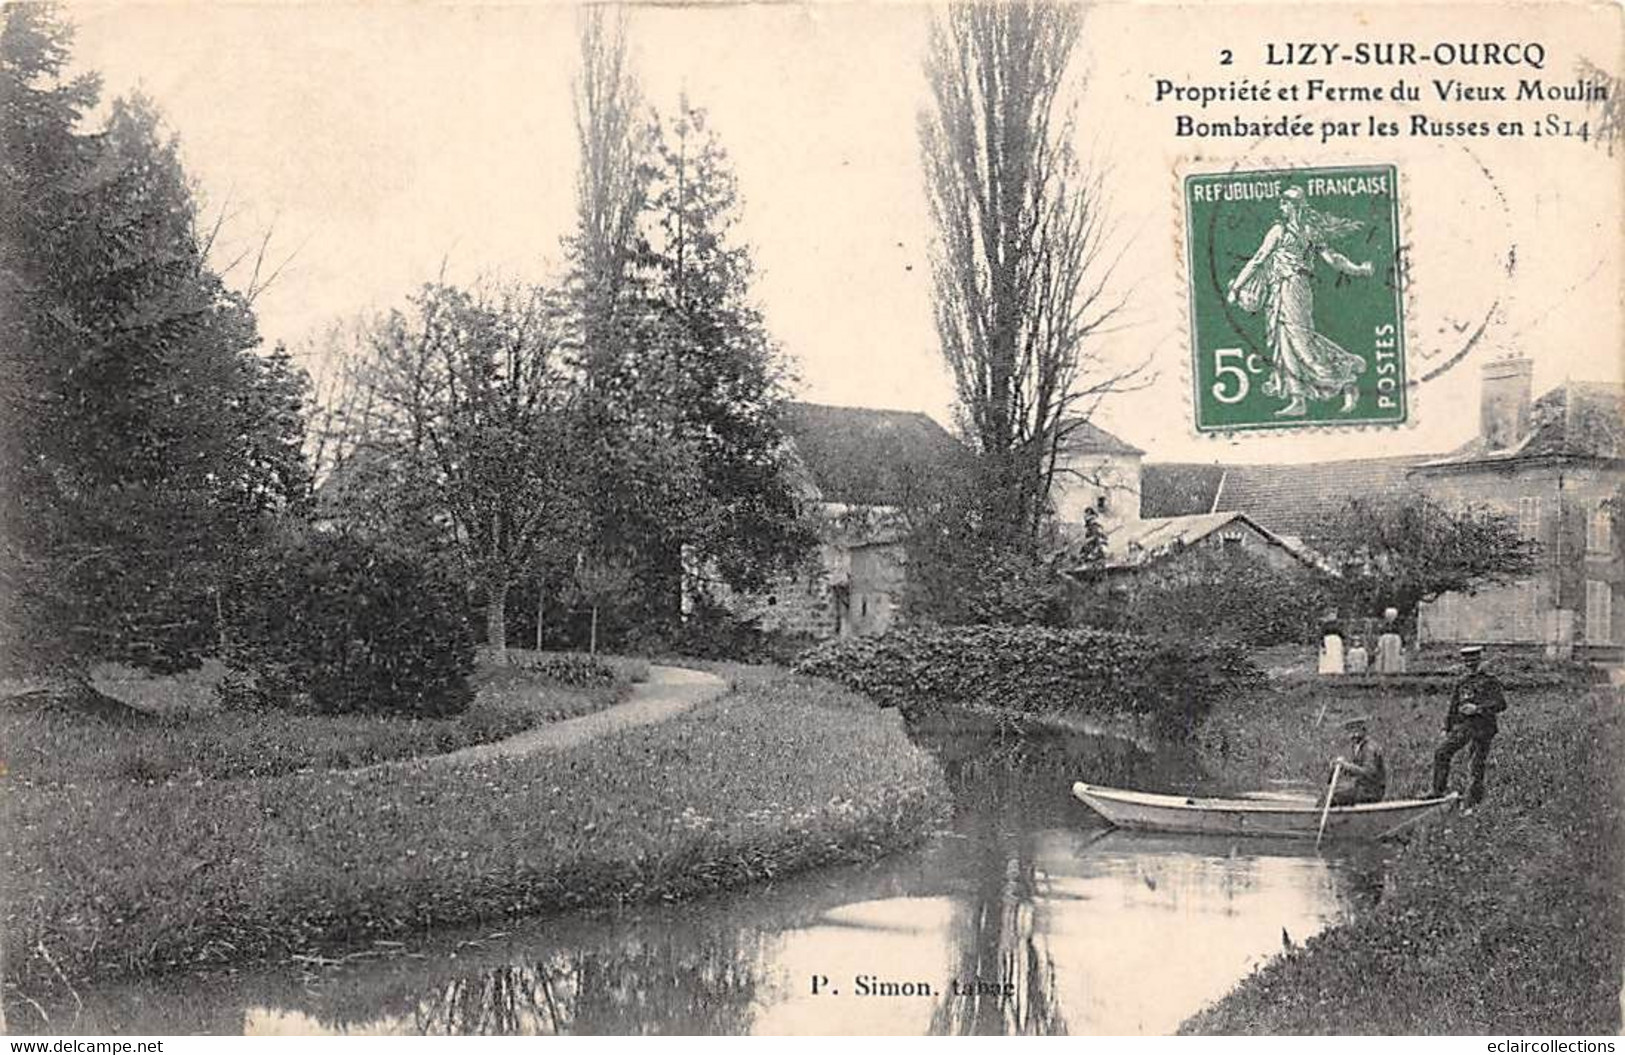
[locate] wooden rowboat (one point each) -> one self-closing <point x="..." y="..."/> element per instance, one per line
<point x="1276" y="819"/>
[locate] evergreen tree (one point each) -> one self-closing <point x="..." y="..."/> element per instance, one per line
<point x="682" y="387"/>
<point x="145" y="440"/>
<point x="730" y="377"/>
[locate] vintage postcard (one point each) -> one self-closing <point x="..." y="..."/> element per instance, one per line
<point x="804" y="519"/>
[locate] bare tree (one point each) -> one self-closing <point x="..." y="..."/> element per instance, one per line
<point x="467" y="405"/>
<point x="341" y="398"/>
<point x="1022" y="264"/>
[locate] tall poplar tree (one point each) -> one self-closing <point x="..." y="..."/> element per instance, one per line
<point x="1021" y="265"/>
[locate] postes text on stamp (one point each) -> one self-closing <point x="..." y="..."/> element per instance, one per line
<point x="1295" y="298"/>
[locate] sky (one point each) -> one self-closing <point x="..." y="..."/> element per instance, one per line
<point x="385" y="144"/>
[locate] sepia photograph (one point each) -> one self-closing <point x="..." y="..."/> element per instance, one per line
<point x="982" y="518"/>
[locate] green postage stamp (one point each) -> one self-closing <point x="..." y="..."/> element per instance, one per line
<point x="1295" y="298"/>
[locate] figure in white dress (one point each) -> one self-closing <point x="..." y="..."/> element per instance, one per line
<point x="1390" y="646"/>
<point x="1304" y="363"/>
<point x="1331" y="654"/>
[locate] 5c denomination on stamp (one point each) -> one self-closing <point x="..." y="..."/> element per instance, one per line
<point x="1296" y="306"/>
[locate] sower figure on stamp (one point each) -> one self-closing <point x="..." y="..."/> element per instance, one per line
<point x="1305" y="363"/>
<point x="1474" y="703"/>
<point x="1362" y="776"/>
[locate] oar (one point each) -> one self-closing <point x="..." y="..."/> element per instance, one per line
<point x="1327" y="809"/>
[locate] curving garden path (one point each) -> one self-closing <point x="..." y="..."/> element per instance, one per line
<point x="668" y="692"/>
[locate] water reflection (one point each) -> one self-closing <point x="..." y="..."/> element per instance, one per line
<point x="1026" y="918"/>
<point x="704" y="987"/>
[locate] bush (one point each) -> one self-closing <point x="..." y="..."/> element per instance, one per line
<point x="359" y="627"/>
<point x="960" y="583"/>
<point x="710" y="631"/>
<point x="565" y="668"/>
<point x="1233" y="597"/>
<point x="1039" y="670"/>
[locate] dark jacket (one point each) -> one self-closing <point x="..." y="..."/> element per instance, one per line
<point x="1371" y="781"/>
<point x="1483" y="691"/>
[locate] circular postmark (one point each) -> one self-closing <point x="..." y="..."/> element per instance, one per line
<point x="1305" y="283"/>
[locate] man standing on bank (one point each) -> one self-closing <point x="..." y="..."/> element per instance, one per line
<point x="1363" y="775"/>
<point x="1474" y="703"/>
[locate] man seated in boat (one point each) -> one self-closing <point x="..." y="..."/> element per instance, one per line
<point x="1362" y="775"/>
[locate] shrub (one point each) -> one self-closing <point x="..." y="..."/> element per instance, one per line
<point x="565" y="668"/>
<point x="356" y="625"/>
<point x="1233" y="597"/>
<point x="710" y="631"/>
<point x="960" y="583"/>
<point x="1038" y="669"/>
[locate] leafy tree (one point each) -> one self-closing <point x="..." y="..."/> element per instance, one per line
<point x="468" y="414"/>
<point x="1228" y="596"/>
<point x="961" y="574"/>
<point x="598" y="584"/>
<point x="146" y="442"/>
<point x="1020" y="267"/>
<point x="1400" y="551"/>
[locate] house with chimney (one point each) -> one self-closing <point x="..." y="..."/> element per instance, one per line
<point x="1557" y="464"/>
<point x="1554" y="464"/>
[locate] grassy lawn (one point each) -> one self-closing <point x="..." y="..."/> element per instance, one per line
<point x="1509" y="921"/>
<point x="783" y="773"/>
<point x="182" y="733"/>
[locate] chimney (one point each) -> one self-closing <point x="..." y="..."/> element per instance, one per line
<point x="1503" y="410"/>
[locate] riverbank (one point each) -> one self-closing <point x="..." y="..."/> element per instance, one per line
<point x="1508" y="921"/>
<point x="780" y="774"/>
<point x="151" y="729"/>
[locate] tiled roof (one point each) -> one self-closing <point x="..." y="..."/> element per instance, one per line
<point x="1171" y="489"/>
<point x="1138" y="542"/>
<point x="1291" y="500"/>
<point x="1088" y="438"/>
<point x="859" y="456"/>
<point x="1144" y="541"/>
<point x="1579" y="419"/>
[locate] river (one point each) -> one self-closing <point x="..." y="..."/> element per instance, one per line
<point x="1026" y="916"/>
